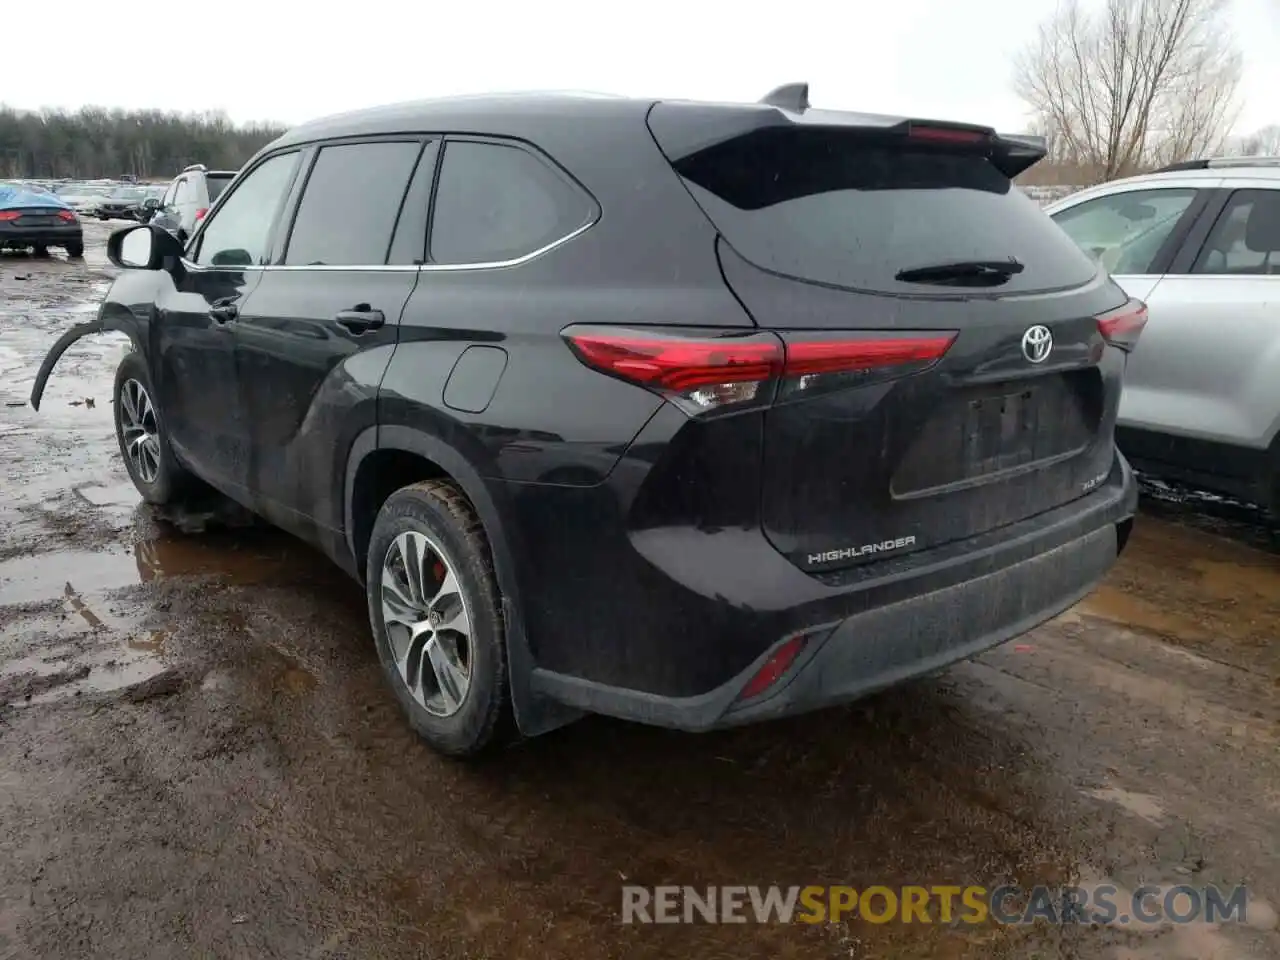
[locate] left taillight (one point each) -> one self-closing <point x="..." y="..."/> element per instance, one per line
<point x="9" y="215"/>
<point x="702" y="372"/>
<point x="1121" y="328"/>
<point x="68" y="216"/>
<point x="695" y="370"/>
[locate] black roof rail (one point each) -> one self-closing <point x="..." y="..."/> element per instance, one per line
<point x="789" y="96"/>
<point x="1184" y="165"/>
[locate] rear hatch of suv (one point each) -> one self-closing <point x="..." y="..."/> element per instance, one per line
<point x="945" y="372"/>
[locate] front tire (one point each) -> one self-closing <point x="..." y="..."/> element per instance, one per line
<point x="437" y="620"/>
<point x="144" y="445"/>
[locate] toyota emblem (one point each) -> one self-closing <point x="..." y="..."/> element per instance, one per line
<point x="1037" y="343"/>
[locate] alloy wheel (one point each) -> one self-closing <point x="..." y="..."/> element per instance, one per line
<point x="427" y="622"/>
<point x="140" y="429"/>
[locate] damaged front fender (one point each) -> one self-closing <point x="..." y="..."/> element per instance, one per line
<point x="100" y="325"/>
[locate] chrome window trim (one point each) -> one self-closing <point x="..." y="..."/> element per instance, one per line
<point x="516" y="261"/>
<point x="400" y="268"/>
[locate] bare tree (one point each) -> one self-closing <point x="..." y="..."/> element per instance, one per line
<point x="1136" y="83"/>
<point x="1263" y="143"/>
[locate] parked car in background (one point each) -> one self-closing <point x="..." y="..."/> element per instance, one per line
<point x="122" y="203"/>
<point x="1200" y="243"/>
<point x="84" y="198"/>
<point x="153" y="197"/>
<point x="189" y="198"/>
<point x="833" y="404"/>
<point x="38" y="220"/>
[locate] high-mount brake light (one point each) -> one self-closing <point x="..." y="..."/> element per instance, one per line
<point x="702" y="371"/>
<point x="1121" y="328"/>
<point x="946" y="135"/>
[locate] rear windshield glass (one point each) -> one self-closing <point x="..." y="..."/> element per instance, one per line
<point x="216" y="186"/>
<point x="838" y="208"/>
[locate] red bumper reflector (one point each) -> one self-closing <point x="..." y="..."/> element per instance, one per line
<point x="779" y="662"/>
<point x="1121" y="328"/>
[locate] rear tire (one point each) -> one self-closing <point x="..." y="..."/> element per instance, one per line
<point x="144" y="444"/>
<point x="437" y="620"/>
<point x="39" y="250"/>
<point x="75" y="250"/>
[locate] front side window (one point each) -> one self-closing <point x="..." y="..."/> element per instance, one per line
<point x="1125" y="231"/>
<point x="349" y="207"/>
<point x="496" y="203"/>
<point x="1245" y="240"/>
<point x="237" y="235"/>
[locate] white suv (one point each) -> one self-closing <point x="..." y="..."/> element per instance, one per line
<point x="1200" y="243"/>
<point x="189" y="198"/>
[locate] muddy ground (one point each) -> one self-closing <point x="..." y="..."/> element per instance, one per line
<point x="198" y="756"/>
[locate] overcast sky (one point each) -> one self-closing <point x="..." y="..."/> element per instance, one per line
<point x="268" y="60"/>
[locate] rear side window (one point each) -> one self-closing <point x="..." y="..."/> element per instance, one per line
<point x="1125" y="231"/>
<point x="841" y="208"/>
<point x="496" y="203"/>
<point x="349" y="206"/>
<point x="182" y="192"/>
<point x="216" y="185"/>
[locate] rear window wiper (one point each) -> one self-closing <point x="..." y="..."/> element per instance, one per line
<point x="962" y="273"/>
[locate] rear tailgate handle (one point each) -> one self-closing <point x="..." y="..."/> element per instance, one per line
<point x="360" y="320"/>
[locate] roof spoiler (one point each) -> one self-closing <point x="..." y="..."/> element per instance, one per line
<point x="1017" y="153"/>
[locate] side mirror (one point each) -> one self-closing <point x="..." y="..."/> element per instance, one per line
<point x="151" y="203"/>
<point x="143" y="247"/>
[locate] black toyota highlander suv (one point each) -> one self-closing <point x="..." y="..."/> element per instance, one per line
<point x="694" y="414"/>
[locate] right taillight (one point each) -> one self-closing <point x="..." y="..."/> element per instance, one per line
<point x="704" y="371"/>
<point x="1121" y="328"/>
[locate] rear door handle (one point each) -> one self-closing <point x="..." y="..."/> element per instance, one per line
<point x="224" y="311"/>
<point x="360" y="321"/>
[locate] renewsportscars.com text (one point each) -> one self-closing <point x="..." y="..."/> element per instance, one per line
<point x="1101" y="904"/>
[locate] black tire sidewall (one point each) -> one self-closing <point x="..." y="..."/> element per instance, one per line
<point x="420" y="509"/>
<point x="168" y="476"/>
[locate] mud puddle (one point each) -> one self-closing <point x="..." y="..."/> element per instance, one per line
<point x="71" y="670"/>
<point x="230" y="556"/>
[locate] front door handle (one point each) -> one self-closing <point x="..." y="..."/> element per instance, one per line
<point x="360" y="319"/>
<point x="224" y="311"/>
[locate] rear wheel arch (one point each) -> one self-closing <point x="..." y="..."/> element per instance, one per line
<point x="402" y="450"/>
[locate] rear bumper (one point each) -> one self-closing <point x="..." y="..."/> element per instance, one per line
<point x="904" y="623"/>
<point x="51" y="236"/>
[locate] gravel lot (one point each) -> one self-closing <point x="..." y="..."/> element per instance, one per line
<point x="198" y="756"/>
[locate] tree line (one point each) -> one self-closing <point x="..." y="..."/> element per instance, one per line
<point x="95" y="142"/>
